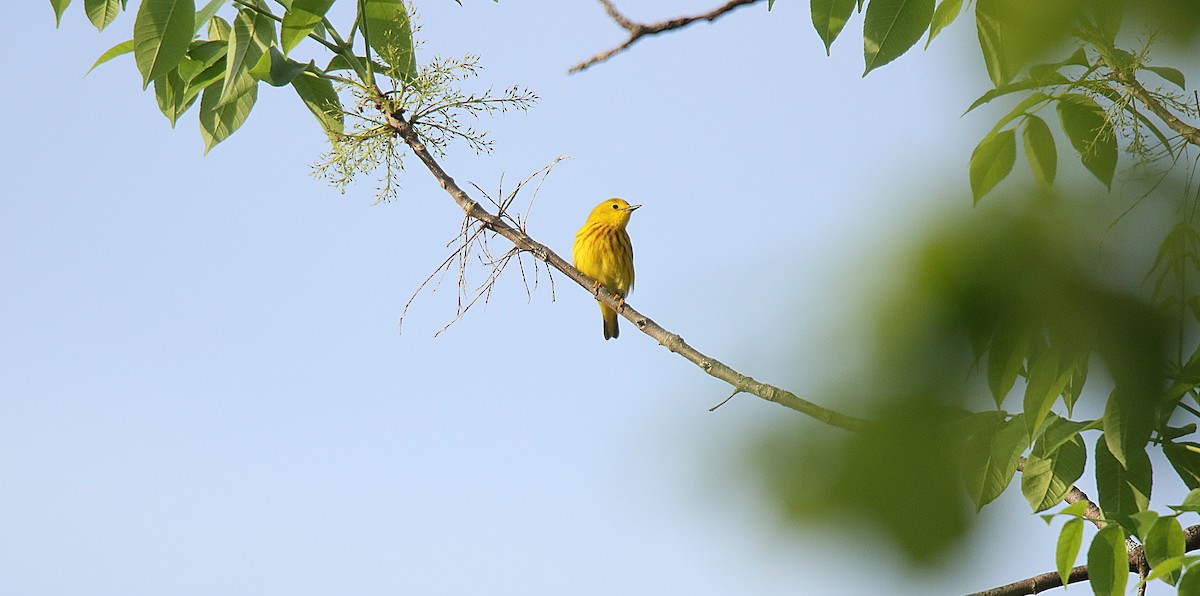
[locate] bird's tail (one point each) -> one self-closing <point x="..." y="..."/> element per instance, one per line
<point x="611" y="331"/>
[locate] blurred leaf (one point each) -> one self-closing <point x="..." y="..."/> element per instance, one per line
<point x="992" y="458"/>
<point x="829" y="17"/>
<point x="387" y="28"/>
<point x="908" y="448"/>
<point x="1005" y="356"/>
<point x="1070" y="539"/>
<point x="120" y="49"/>
<point x="1165" y="540"/>
<point x="1185" y="461"/>
<point x="1108" y="566"/>
<point x="1170" y="74"/>
<point x="1045" y="480"/>
<point x="1048" y="378"/>
<point x="945" y="13"/>
<point x="1088" y="129"/>
<point x="161" y="34"/>
<point x="991" y="162"/>
<point x="1039" y="148"/>
<point x="102" y="12"/>
<point x="1189" y="584"/>
<point x="300" y="20"/>
<point x="1011" y="32"/>
<point x="1124" y="490"/>
<point x="892" y="27"/>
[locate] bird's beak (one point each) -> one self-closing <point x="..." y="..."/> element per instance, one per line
<point x="632" y="207"/>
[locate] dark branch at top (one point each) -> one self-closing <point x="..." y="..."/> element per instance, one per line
<point x="639" y="30"/>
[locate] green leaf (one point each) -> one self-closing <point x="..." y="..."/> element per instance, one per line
<point x="992" y="458"/>
<point x="101" y="12"/>
<point x="252" y="35"/>
<point x="1046" y="381"/>
<point x="1039" y="148"/>
<point x="1189" y="584"/>
<point x="829" y="17"/>
<point x="945" y="13"/>
<point x="219" y="29"/>
<point x="59" y="6"/>
<point x="1128" y="422"/>
<point x="277" y="70"/>
<point x="1061" y="431"/>
<point x="1170" y="74"/>
<point x="992" y="38"/>
<point x="1070" y="538"/>
<point x="322" y="100"/>
<point x="1090" y="133"/>
<point x="1185" y="461"/>
<point x="300" y="20"/>
<point x="170" y="92"/>
<point x="205" y="15"/>
<point x="161" y="34"/>
<point x="1008" y="350"/>
<point x="217" y="122"/>
<point x="1124" y="490"/>
<point x="1108" y="566"/>
<point x="201" y="55"/>
<point x="1047" y="479"/>
<point x="892" y="27"/>
<point x="1164" y="541"/>
<point x="120" y="49"/>
<point x="388" y="30"/>
<point x="991" y="161"/>
<point x="1167" y="569"/>
<point x="1191" y="502"/>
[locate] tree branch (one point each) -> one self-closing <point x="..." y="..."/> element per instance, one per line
<point x="1190" y="133"/>
<point x="639" y="30"/>
<point x="1046" y="581"/>
<point x="671" y="341"/>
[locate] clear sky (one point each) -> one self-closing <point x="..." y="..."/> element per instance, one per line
<point x="205" y="390"/>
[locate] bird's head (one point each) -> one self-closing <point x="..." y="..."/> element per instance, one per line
<point x="613" y="211"/>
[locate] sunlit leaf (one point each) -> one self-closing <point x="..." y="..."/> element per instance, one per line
<point x="217" y="122"/>
<point x="1039" y="148"/>
<point x="120" y="49"/>
<point x="829" y="17"/>
<point x="386" y="25"/>
<point x="161" y="34"/>
<point x="300" y="20"/>
<point x="1070" y="539"/>
<point x="991" y="161"/>
<point x="945" y="13"/>
<point x="1108" y="566"/>
<point x="102" y="12"/>
<point x="891" y="27"/>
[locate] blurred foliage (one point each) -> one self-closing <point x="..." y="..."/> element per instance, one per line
<point x="1019" y="291"/>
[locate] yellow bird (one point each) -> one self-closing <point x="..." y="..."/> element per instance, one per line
<point x="604" y="253"/>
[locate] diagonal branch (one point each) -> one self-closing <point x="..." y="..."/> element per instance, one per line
<point x="1046" y="581"/>
<point x="671" y="341"/>
<point x="639" y="30"/>
<point x="1190" y="133"/>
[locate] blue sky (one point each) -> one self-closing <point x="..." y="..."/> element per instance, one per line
<point x="206" y="387"/>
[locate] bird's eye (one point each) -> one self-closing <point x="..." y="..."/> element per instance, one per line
<point x="615" y="206"/>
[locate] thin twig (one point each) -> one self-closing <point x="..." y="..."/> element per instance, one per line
<point x="639" y="30"/>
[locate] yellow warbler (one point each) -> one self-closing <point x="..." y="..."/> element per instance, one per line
<point x="604" y="253"/>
